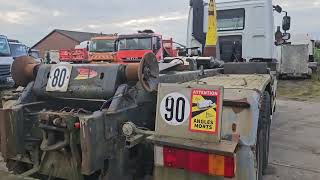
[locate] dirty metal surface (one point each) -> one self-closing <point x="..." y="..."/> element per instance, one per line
<point x="242" y="95"/>
<point x="183" y="128"/>
<point x="258" y="82"/>
<point x="239" y="119"/>
<point x="294" y="59"/>
<point x="182" y="77"/>
<point x="23" y="70"/>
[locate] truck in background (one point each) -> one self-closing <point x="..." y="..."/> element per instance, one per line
<point x="132" y="47"/>
<point x="6" y="61"/>
<point x="297" y="39"/>
<point x="98" y="49"/>
<point x="102" y="49"/>
<point x="245" y="28"/>
<point x="76" y="55"/>
<point x="294" y="61"/>
<point x="17" y="48"/>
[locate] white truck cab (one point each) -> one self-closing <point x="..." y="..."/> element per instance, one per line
<point x="17" y="48"/>
<point x="5" y="63"/>
<point x="245" y="27"/>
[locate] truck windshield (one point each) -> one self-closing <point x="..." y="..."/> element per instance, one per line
<point x="4" y="47"/>
<point x="135" y="44"/>
<point x="102" y="46"/>
<point x="18" y="50"/>
<point x="231" y="20"/>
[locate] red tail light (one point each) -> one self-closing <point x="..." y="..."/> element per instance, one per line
<point x="229" y="167"/>
<point x="199" y="162"/>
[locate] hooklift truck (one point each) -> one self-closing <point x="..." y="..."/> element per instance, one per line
<point x="139" y="121"/>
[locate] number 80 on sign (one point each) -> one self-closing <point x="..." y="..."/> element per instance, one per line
<point x="59" y="78"/>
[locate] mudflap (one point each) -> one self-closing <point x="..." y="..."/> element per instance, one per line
<point x="10" y="131"/>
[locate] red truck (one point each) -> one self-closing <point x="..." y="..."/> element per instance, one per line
<point x="74" y="55"/>
<point x="132" y="47"/>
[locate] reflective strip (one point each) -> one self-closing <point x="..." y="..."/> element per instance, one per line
<point x="158" y="155"/>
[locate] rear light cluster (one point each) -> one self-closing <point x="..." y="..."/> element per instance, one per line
<point x="199" y="162"/>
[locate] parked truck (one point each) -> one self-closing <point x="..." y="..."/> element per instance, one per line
<point x="140" y="121"/>
<point x="76" y="55"/>
<point x="246" y="29"/>
<point x="102" y="49"/>
<point x="294" y="61"/>
<point x="17" y="48"/>
<point x="5" y="63"/>
<point x="298" y="39"/>
<point x="132" y="47"/>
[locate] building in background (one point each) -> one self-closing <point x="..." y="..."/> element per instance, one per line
<point x="62" y="39"/>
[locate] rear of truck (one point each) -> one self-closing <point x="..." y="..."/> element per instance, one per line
<point x="294" y="61"/>
<point x="69" y="122"/>
<point x="227" y="138"/>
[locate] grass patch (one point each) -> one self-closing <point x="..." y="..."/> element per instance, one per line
<point x="300" y="90"/>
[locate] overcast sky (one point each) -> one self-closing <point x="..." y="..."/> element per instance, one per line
<point x="31" y="20"/>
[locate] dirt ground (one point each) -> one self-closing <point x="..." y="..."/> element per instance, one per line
<point x="295" y="145"/>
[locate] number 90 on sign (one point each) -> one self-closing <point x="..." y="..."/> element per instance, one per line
<point x="175" y="109"/>
<point x="59" y="78"/>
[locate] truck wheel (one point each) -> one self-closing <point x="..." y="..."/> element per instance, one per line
<point x="265" y="119"/>
<point x="259" y="154"/>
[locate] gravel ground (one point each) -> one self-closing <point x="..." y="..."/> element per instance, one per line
<point x="295" y="145"/>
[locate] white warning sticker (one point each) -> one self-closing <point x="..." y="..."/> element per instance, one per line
<point x="175" y="109"/>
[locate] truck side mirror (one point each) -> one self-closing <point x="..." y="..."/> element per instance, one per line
<point x="277" y="8"/>
<point x="286" y="23"/>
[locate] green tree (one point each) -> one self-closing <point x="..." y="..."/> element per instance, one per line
<point x="48" y="58"/>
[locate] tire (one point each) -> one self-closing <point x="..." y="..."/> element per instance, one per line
<point x="265" y="122"/>
<point x="259" y="155"/>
